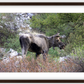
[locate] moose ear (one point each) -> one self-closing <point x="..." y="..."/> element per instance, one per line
<point x="56" y="35"/>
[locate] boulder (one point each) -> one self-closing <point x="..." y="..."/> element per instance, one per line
<point x="12" y="53"/>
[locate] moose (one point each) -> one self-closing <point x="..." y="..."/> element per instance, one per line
<point x="39" y="44"/>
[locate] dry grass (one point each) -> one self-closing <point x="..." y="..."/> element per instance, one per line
<point x="32" y="65"/>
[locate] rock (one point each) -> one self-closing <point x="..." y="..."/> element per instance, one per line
<point x="19" y="57"/>
<point x="61" y="59"/>
<point x="2" y="50"/>
<point x="15" y="53"/>
<point x="11" y="53"/>
<point x="19" y="20"/>
<point x="11" y="50"/>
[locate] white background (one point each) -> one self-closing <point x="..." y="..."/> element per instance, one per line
<point x="42" y="9"/>
<point x="44" y="76"/>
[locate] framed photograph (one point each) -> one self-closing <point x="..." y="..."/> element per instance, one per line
<point x="41" y="42"/>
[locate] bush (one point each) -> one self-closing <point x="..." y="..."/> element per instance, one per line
<point x="4" y="35"/>
<point x="13" y="43"/>
<point x="78" y="51"/>
<point x="53" y="53"/>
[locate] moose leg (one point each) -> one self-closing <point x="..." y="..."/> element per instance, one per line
<point x="25" y="48"/>
<point x="37" y="54"/>
<point x="24" y="51"/>
<point x="24" y="42"/>
<point x="22" y="46"/>
<point x="44" y="55"/>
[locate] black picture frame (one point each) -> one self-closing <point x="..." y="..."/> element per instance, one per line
<point x="41" y="4"/>
<point x="41" y="81"/>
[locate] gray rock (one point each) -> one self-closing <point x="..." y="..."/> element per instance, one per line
<point x="12" y="53"/>
<point x="61" y="59"/>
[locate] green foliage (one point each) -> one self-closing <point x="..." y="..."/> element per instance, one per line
<point x="13" y="43"/>
<point x="78" y="51"/>
<point x="45" y="23"/>
<point x="52" y="22"/>
<point x="55" y="22"/>
<point x="76" y="38"/>
<point x="56" y="53"/>
<point x="5" y="31"/>
<point x="4" y="35"/>
<point x="53" y="53"/>
<point x="68" y="17"/>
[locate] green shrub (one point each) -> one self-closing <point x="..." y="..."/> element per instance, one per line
<point x="4" y="35"/>
<point x="78" y="51"/>
<point x="13" y="43"/>
<point x="56" y="53"/>
<point x="53" y="53"/>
